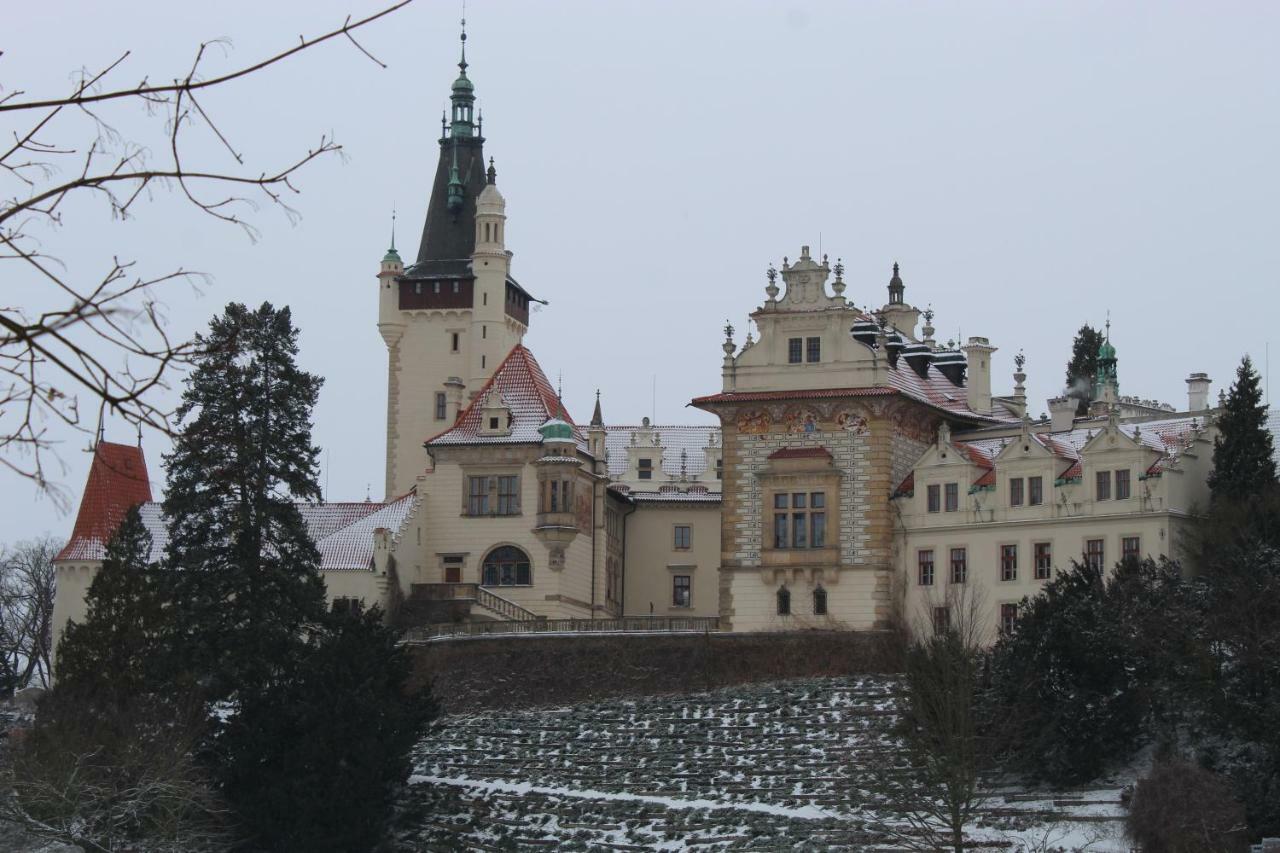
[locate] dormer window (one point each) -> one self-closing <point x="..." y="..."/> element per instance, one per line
<point x="645" y="469"/>
<point x="493" y="424"/>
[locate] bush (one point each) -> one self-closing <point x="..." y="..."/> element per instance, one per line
<point x="1183" y="808"/>
<point x="312" y="762"/>
<point x="113" y="775"/>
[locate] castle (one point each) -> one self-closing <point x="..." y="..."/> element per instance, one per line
<point x="862" y="472"/>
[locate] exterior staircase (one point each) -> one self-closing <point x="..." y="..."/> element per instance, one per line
<point x="447" y="603"/>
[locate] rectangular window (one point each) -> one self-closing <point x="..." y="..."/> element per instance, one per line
<point x="1044" y="560"/>
<point x="1015" y="491"/>
<point x="1008" y="618"/>
<point x="681" y="591"/>
<point x="684" y="537"/>
<point x="813" y="349"/>
<point x="818" y="520"/>
<point x="953" y="497"/>
<point x="454" y="346"/>
<point x="1035" y="491"/>
<point x="1122" y="484"/>
<point x="1104" y="486"/>
<point x="1093" y="553"/>
<point x="795" y="350"/>
<point x="646" y="468"/>
<point x="935" y="498"/>
<point x="780" y="530"/>
<point x="1008" y="562"/>
<point x="553" y="496"/>
<point x="941" y="619"/>
<point x="925" y="559"/>
<point x="1130" y="546"/>
<point x="959" y="565"/>
<point x="719" y="469"/>
<point x="508" y="495"/>
<point x="442" y="406"/>
<point x="799" y="530"/>
<point x="477" y="496"/>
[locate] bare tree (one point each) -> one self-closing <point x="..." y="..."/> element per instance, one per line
<point x="72" y="349"/>
<point x="26" y="613"/>
<point x="931" y="764"/>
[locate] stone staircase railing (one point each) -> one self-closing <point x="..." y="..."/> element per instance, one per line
<point x="503" y="607"/>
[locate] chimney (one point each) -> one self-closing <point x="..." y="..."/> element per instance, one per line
<point x="1062" y="413"/>
<point x="1198" y="392"/>
<point x="978" y="353"/>
<point x="453" y="391"/>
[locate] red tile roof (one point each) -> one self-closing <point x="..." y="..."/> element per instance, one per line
<point x="936" y="392"/>
<point x="117" y="481"/>
<point x="521" y="384"/>
<point x="801" y="453"/>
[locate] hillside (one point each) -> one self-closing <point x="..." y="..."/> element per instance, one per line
<point x="783" y="766"/>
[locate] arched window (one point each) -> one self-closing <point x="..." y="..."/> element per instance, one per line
<point x="819" y="602"/>
<point x="784" y="602"/>
<point x="507" y="566"/>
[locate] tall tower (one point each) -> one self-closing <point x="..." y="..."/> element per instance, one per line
<point x="450" y="317"/>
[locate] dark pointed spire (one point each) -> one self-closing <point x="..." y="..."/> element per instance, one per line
<point x="463" y="97"/>
<point x="597" y="418"/>
<point x="896" y="287"/>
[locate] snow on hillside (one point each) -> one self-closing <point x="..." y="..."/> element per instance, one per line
<point x="784" y="766"/>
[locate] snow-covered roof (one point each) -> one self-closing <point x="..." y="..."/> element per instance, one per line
<point x="524" y="388"/>
<point x="1167" y="436"/>
<point x="692" y="440"/>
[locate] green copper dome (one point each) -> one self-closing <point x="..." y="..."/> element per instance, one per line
<point x="391" y="255"/>
<point x="463" y="84"/>
<point x="1106" y="350"/>
<point x="556" y="430"/>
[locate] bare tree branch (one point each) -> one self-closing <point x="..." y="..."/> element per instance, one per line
<point x="101" y="344"/>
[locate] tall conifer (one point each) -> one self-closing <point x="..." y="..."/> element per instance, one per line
<point x="115" y="650"/>
<point x="247" y="572"/>
<point x="1243" y="464"/>
<point x="1083" y="367"/>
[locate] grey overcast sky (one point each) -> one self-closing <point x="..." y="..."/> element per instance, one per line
<point x="1032" y="166"/>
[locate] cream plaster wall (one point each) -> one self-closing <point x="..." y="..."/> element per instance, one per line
<point x="651" y="559"/>
<point x="554" y="593"/>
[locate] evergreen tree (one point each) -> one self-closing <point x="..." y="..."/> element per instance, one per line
<point x="315" y="759"/>
<point x="115" y="651"/>
<point x="247" y="572"/>
<point x="1082" y="369"/>
<point x="1073" y="682"/>
<point x="1243" y="465"/>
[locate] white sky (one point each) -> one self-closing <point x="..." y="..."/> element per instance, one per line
<point x="1031" y="166"/>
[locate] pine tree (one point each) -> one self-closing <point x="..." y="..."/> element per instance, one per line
<point x="115" y="651"/>
<point x="246" y="570"/>
<point x="1243" y="464"/>
<point x="315" y="760"/>
<point x="1083" y="366"/>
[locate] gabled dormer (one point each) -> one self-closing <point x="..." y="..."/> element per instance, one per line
<point x="1112" y="462"/>
<point x="644" y="456"/>
<point x="495" y="415"/>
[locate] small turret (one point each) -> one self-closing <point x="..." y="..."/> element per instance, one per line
<point x="897" y="312"/>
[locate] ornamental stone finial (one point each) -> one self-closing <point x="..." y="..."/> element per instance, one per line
<point x="772" y="288"/>
<point x="1019" y="360"/>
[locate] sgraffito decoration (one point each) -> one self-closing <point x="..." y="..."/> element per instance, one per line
<point x="801" y="420"/>
<point x="852" y="421"/>
<point x="753" y="422"/>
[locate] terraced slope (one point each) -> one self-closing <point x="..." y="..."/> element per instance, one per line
<point x="786" y="766"/>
